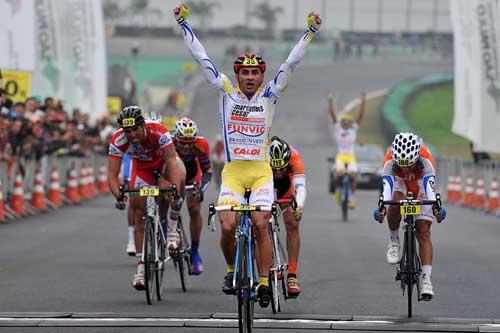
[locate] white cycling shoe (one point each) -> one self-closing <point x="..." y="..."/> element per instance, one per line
<point x="393" y="252"/>
<point x="131" y="249"/>
<point x="426" y="290"/>
<point x="138" y="281"/>
<point x="173" y="239"/>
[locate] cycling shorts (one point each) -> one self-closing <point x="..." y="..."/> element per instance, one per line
<point x="425" y="210"/>
<point x="342" y="159"/>
<point x="239" y="175"/>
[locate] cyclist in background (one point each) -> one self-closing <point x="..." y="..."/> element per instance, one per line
<point x="151" y="147"/>
<point x="345" y="138"/>
<point x="289" y="181"/>
<point x="246" y="112"/>
<point x="217" y="158"/>
<point x="194" y="152"/>
<point x="409" y="167"/>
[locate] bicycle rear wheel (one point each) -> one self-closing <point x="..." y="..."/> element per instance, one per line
<point x="160" y="269"/>
<point x="149" y="258"/>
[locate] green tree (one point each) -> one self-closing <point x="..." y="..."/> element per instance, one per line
<point x="268" y="15"/>
<point x="204" y="10"/>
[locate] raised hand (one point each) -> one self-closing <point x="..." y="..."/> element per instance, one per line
<point x="181" y="13"/>
<point x="313" y="21"/>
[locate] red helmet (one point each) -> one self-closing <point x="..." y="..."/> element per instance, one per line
<point x="249" y="60"/>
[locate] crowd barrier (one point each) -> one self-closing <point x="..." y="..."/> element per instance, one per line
<point x="469" y="184"/>
<point x="30" y="187"/>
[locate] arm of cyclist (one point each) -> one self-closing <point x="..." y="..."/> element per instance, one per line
<point x="299" y="183"/>
<point x="114" y="164"/>
<point x="280" y="81"/>
<point x="429" y="185"/>
<point x="331" y="109"/>
<point x="387" y="191"/>
<point x="362" y="107"/>
<point x="173" y="173"/>
<point x="210" y="72"/>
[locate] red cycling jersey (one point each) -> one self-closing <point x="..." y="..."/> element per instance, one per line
<point x="158" y="139"/>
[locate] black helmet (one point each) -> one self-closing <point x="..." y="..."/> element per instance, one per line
<point x="130" y="116"/>
<point x="279" y="153"/>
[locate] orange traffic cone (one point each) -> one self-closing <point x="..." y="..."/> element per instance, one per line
<point x="493" y="202"/>
<point x="450" y="189"/>
<point x="54" y="194"/>
<point x="38" y="193"/>
<point x="480" y="194"/>
<point x="82" y="184"/>
<point x="102" y="180"/>
<point x="459" y="189"/>
<point x="72" y="188"/>
<point x="2" y="211"/>
<point x="91" y="181"/>
<point x="17" y="198"/>
<point x="469" y="192"/>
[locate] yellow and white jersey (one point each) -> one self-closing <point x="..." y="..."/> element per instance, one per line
<point x="345" y="139"/>
<point x="245" y="124"/>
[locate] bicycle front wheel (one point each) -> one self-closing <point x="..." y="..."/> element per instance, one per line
<point x="410" y="269"/>
<point x="180" y="257"/>
<point x="160" y="269"/>
<point x="149" y="258"/>
<point x="245" y="290"/>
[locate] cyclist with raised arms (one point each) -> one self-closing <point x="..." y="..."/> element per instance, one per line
<point x="289" y="181"/>
<point x="195" y="153"/>
<point x="151" y="147"/>
<point x="345" y="138"/>
<point x="246" y="112"/>
<point x="409" y="167"/>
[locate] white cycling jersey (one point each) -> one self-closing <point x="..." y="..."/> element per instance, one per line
<point x="245" y="123"/>
<point x="345" y="139"/>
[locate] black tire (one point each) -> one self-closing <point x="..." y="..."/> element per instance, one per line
<point x="245" y="304"/>
<point x="345" y="201"/>
<point x="181" y="263"/>
<point x="160" y="269"/>
<point x="149" y="259"/>
<point x="410" y="270"/>
<point x="331" y="182"/>
<point x="273" y="276"/>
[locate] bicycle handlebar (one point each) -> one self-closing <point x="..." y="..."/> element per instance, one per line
<point x="172" y="189"/>
<point x="289" y="201"/>
<point x="212" y="209"/>
<point x="413" y="202"/>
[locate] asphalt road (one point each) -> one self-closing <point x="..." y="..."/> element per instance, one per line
<point x="73" y="261"/>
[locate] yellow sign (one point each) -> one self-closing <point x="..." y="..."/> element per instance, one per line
<point x="16" y="85"/>
<point x="169" y="122"/>
<point x="409" y="210"/>
<point x="244" y="208"/>
<point x="188" y="67"/>
<point x="149" y="191"/>
<point x="128" y="122"/>
<point x="114" y="104"/>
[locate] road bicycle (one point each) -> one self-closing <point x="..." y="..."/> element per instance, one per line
<point x="154" y="248"/>
<point x="409" y="270"/>
<point x="245" y="277"/>
<point x="280" y="259"/>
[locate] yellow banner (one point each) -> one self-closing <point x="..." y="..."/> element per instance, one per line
<point x="114" y="105"/>
<point x="16" y="85"/>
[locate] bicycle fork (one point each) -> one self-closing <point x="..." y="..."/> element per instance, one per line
<point x="245" y="231"/>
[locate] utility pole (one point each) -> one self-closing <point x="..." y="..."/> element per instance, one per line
<point x="408" y="14"/>
<point x="296" y="14"/>
<point x="380" y="10"/>
<point x="351" y="14"/>
<point x="247" y="12"/>
<point x="435" y="12"/>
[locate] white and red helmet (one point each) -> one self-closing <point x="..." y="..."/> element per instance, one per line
<point x="185" y="129"/>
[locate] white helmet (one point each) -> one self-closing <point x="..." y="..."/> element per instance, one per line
<point x="405" y="149"/>
<point x="186" y="128"/>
